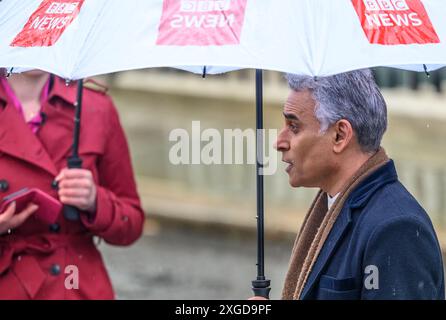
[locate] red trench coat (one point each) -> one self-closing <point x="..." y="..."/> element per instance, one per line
<point x="36" y="259"/>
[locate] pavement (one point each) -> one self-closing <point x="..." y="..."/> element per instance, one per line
<point x="179" y="262"/>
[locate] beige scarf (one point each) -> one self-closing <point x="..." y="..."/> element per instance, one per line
<point x="317" y="226"/>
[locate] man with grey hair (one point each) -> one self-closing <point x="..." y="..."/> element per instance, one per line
<point x="365" y="236"/>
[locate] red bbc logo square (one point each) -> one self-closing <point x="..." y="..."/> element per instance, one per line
<point x="201" y="22"/>
<point x="395" y="22"/>
<point x="47" y="23"/>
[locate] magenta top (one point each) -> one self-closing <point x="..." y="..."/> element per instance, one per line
<point x="36" y="121"/>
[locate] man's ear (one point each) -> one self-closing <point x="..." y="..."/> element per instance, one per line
<point x="342" y="135"/>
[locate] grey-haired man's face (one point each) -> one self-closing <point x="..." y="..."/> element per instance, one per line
<point x="307" y="152"/>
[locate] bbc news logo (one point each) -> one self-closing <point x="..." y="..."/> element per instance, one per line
<point x="62" y="8"/>
<point x="386" y="5"/>
<point x="205" y="6"/>
<point x="201" y="23"/>
<point x="395" y="22"/>
<point x="47" y="24"/>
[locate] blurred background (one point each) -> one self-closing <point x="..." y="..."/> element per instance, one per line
<point x="199" y="238"/>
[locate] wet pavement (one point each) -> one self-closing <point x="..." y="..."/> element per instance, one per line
<point x="190" y="263"/>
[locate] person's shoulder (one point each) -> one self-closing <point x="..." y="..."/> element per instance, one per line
<point x="97" y="95"/>
<point x="396" y="196"/>
<point x="95" y="86"/>
<point x="394" y="215"/>
<point x="394" y="203"/>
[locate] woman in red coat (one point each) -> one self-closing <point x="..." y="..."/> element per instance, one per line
<point x="60" y="260"/>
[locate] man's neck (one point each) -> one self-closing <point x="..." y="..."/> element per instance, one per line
<point x="344" y="173"/>
<point x="28" y="88"/>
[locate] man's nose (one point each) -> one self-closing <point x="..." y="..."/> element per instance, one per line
<point x="281" y="143"/>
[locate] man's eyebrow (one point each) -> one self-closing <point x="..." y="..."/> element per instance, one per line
<point x="290" y="116"/>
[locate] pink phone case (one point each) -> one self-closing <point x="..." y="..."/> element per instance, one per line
<point x="49" y="208"/>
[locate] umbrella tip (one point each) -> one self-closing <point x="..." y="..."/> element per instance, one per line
<point x="427" y="72"/>
<point x="67" y="82"/>
<point x="8" y="72"/>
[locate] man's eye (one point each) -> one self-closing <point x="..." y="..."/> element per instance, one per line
<point x="293" y="127"/>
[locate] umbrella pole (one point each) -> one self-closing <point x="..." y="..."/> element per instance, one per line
<point x="260" y="286"/>
<point x="72" y="213"/>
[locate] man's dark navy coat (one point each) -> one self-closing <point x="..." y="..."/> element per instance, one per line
<point x="382" y="246"/>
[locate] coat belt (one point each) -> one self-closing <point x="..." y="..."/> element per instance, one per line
<point x="31" y="275"/>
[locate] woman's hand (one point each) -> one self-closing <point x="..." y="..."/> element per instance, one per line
<point x="10" y="220"/>
<point x="77" y="188"/>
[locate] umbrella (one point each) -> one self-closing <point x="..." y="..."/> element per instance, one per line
<point x="77" y="38"/>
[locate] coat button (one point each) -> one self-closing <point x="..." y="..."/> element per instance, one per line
<point x="4" y="185"/>
<point x="55" y="269"/>
<point x="54" y="185"/>
<point x="54" y="227"/>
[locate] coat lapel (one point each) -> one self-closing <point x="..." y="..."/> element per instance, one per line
<point x="335" y="235"/>
<point x="57" y="133"/>
<point x="17" y="140"/>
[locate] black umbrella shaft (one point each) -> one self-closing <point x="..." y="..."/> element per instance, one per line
<point x="77" y="118"/>
<point x="260" y="286"/>
<point x="72" y="213"/>
<point x="259" y="170"/>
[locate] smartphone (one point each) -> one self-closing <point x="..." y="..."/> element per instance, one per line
<point x="49" y="208"/>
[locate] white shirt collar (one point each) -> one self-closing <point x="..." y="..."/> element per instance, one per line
<point x="331" y="200"/>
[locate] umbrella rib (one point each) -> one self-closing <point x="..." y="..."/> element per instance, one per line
<point x="96" y="21"/>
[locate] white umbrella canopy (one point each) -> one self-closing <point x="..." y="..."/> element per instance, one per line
<point x="80" y="38"/>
